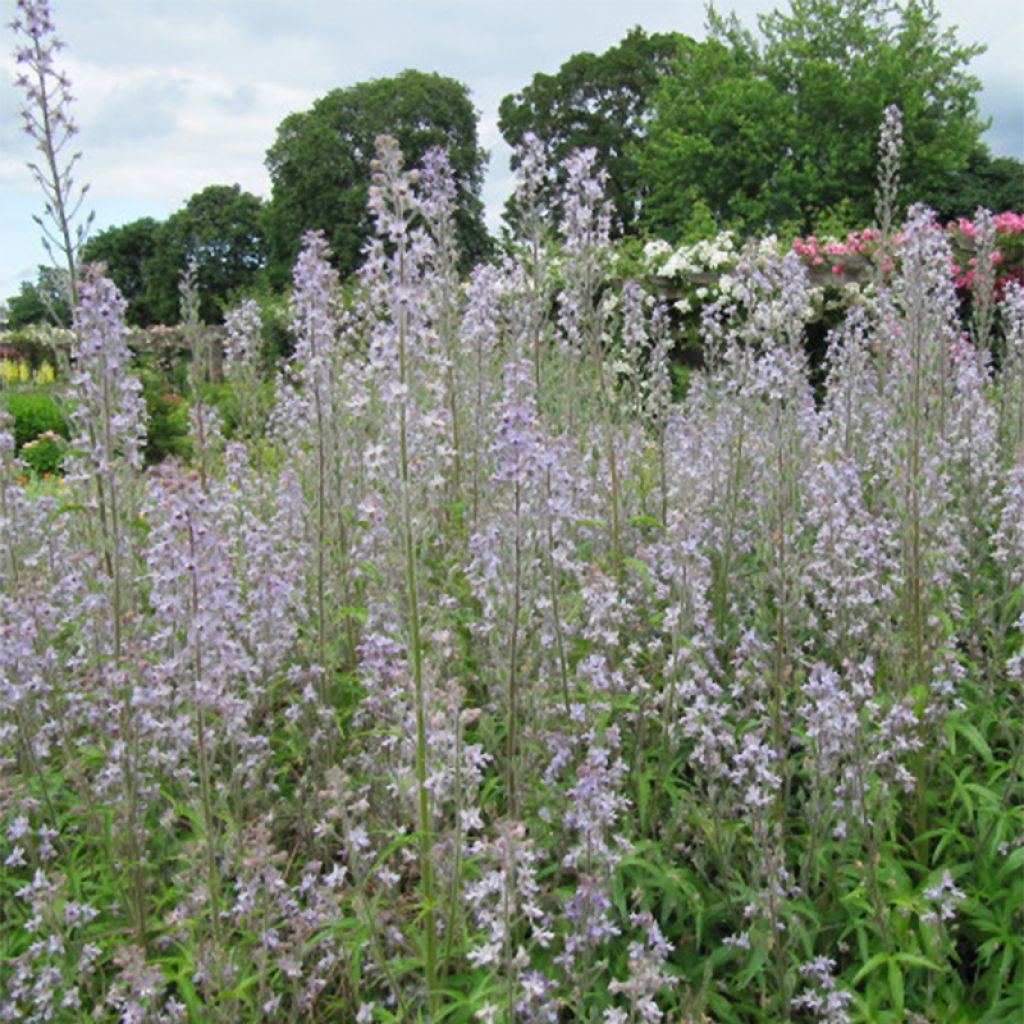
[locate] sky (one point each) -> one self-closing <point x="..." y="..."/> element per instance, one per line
<point x="173" y="96"/>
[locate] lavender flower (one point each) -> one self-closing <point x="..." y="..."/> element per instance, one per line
<point x="827" y="1002"/>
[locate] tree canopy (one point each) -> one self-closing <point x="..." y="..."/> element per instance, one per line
<point x="320" y="163"/>
<point x="130" y="254"/>
<point x="44" y="301"/>
<point x="783" y="130"/>
<point x="599" y="101"/>
<point x="767" y="129"/>
<point x="220" y="229"/>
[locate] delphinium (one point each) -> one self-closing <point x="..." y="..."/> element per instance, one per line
<point x="201" y="667"/>
<point x="647" y="975"/>
<point x="1009" y="554"/>
<point x="46" y="118"/>
<point x="983" y="287"/>
<point x="638" y="339"/>
<point x="52" y="977"/>
<point x="975" y="473"/>
<point x="890" y="153"/>
<point x="657" y="398"/>
<point x="504" y="900"/>
<point x="438" y="194"/>
<point x="1011" y="379"/>
<point x="404" y="648"/>
<point x="629" y="366"/>
<point x="492" y="681"/>
<point x="584" y="230"/>
<point x="34" y="596"/>
<point x="483" y="331"/>
<point x="262" y="520"/>
<point x="822" y="997"/>
<point x="291" y="932"/>
<point x="507" y="571"/>
<point x="305" y="419"/>
<point x="533" y="177"/>
<point x="243" y="369"/>
<point x="50" y="955"/>
<point x="592" y="820"/>
<point x="920" y="336"/>
<point x="204" y="420"/>
<point x="103" y="474"/>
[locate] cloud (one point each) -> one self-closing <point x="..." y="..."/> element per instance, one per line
<point x="143" y="108"/>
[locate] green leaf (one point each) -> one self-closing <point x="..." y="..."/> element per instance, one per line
<point x="913" y="960"/>
<point x="757" y="960"/>
<point x="896" y="986"/>
<point x="1012" y="863"/>
<point x="646" y="521"/>
<point x="872" y="965"/>
<point x="970" y="732"/>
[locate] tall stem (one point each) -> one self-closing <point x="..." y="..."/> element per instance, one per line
<point x="416" y="651"/>
<point x="513" y="668"/>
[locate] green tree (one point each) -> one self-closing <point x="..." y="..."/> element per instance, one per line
<point x="221" y="229"/>
<point x="320" y="163"/>
<point x="44" y="301"/>
<point x="130" y="253"/>
<point x="996" y="183"/>
<point x="714" y="145"/>
<point x="599" y="101"/>
<point x="782" y="132"/>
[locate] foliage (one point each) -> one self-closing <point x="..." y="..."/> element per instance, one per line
<point x="45" y="301"/>
<point x="780" y="132"/>
<point x="34" y="413"/>
<point x="131" y="254"/>
<point x="320" y="162"/>
<point x="600" y="102"/>
<point x="988" y="182"/>
<point x="221" y="231"/>
<point x="20" y="371"/>
<point x="44" y="454"/>
<point x="167" y="424"/>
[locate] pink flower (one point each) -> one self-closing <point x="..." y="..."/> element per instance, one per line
<point x="1009" y="223"/>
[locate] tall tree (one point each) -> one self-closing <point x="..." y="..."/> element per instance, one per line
<point x="996" y="183"/>
<point x="785" y="129"/>
<point x="130" y="254"/>
<point x="599" y="101"/>
<point x="320" y="163"/>
<point x="45" y="301"/>
<point x="221" y="230"/>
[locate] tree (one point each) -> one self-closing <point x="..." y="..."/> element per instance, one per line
<point x="995" y="183"/>
<point x="719" y="155"/>
<point x="45" y="301"/>
<point x="130" y="253"/>
<point x="320" y="163"/>
<point x="221" y="230"/>
<point x="601" y="102"/>
<point x="785" y="130"/>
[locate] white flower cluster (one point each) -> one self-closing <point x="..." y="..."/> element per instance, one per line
<point x="708" y="254"/>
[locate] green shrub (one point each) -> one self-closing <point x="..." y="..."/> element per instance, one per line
<point x="167" y="433"/>
<point x="44" y="454"/>
<point x="34" y="413"/>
